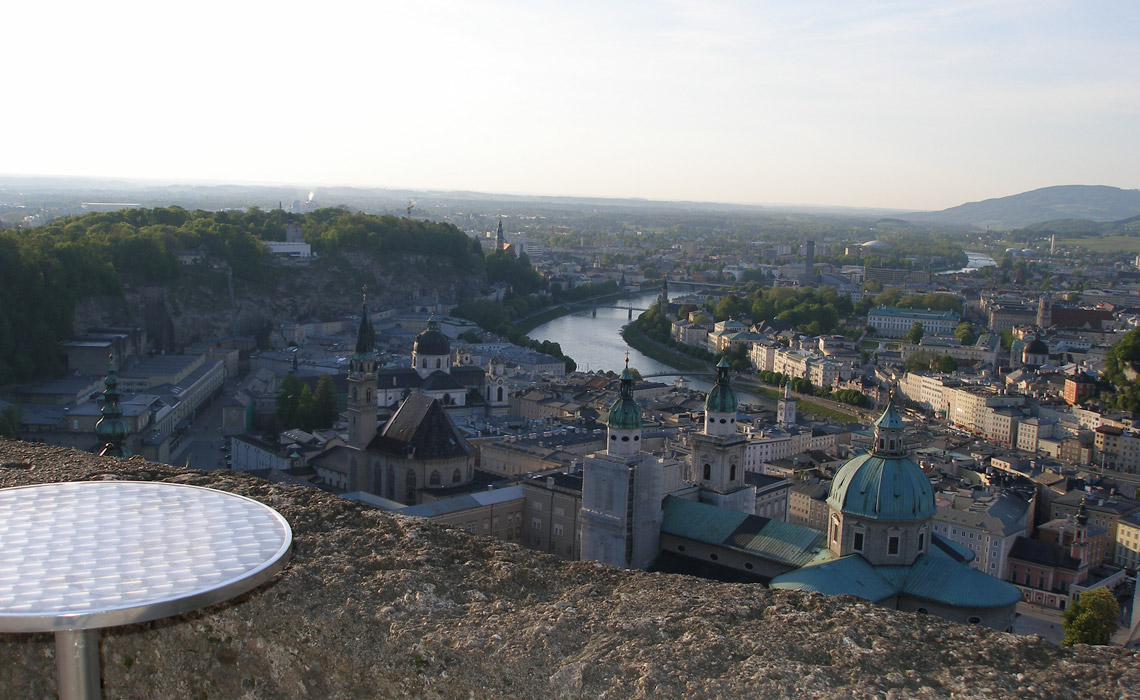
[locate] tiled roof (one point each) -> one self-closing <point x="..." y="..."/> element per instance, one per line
<point x="771" y="539"/>
<point x="420" y="429"/>
<point x="934" y="577"/>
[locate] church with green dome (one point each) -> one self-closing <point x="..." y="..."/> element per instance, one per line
<point x="879" y="532"/>
<point x="639" y="511"/>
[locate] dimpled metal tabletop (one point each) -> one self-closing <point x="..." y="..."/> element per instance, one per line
<point x="81" y="555"/>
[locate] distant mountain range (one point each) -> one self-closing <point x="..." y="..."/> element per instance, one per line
<point x="1096" y="203"/>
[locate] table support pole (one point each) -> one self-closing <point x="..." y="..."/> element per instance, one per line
<point x="77" y="664"/>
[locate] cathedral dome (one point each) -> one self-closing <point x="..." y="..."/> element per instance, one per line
<point x="721" y="398"/>
<point x="887" y="488"/>
<point x="1037" y="347"/>
<point x="625" y="414"/>
<point x="432" y="342"/>
<point x="885" y="484"/>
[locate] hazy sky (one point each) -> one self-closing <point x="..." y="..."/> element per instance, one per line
<point x="921" y="104"/>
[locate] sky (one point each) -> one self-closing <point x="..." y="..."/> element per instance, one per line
<point x="899" y="104"/>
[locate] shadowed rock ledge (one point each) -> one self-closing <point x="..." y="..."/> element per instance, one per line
<point x="374" y="605"/>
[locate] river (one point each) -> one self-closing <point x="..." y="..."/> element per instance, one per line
<point x="596" y="344"/>
<point x="974" y="261"/>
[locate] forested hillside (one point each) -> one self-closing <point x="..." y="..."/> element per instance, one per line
<point x="46" y="271"/>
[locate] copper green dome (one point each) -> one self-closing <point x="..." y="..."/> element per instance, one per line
<point x="721" y="398"/>
<point x="625" y="414"/>
<point x="887" y="488"/>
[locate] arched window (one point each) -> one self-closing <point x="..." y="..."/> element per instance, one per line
<point x="732" y="472"/>
<point x="437" y="363"/>
<point x="423" y="363"/>
<point x="435" y="479"/>
<point x="456" y="477"/>
<point x="410" y="487"/>
<point x="708" y="471"/>
<point x="882" y="443"/>
<point x="391" y="490"/>
<point x="500" y="394"/>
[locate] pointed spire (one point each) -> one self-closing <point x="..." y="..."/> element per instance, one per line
<point x="788" y="390"/>
<point x="1082" y="514"/>
<point x="365" y="336"/>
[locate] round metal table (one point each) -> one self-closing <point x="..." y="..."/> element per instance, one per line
<point x="78" y="556"/>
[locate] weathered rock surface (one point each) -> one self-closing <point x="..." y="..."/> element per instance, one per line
<point x="374" y="605"/>
<point x="199" y="307"/>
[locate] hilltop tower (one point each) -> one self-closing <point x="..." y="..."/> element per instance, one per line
<point x="362" y="404"/>
<point x="718" y="453"/>
<point x="112" y="428"/>
<point x="500" y="239"/>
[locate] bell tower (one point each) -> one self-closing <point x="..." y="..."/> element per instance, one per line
<point x="362" y="404"/>
<point x="786" y="408"/>
<point x="718" y="453"/>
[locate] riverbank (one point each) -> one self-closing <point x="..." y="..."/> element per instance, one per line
<point x="529" y="323"/>
<point x="804" y="404"/>
<point x="637" y="340"/>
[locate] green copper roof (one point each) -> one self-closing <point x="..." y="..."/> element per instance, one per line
<point x="890" y="417"/>
<point x="112" y="429"/>
<point x="933" y="578"/>
<point x="888" y="488"/>
<point x="625" y="414"/>
<point x="787" y="543"/>
<point x="721" y="398"/>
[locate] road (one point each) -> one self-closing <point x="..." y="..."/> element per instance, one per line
<point x="201" y="447"/>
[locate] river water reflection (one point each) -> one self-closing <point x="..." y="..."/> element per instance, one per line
<point x="596" y="344"/>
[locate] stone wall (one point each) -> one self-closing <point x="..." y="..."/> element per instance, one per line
<point x="374" y="605"/>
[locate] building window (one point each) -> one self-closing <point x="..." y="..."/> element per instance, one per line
<point x="435" y="479"/>
<point x="456" y="476"/>
<point x="557" y="530"/>
<point x="714" y="557"/>
<point x="893" y="544"/>
<point x="732" y="472"/>
<point x="708" y="471"/>
<point x="921" y="541"/>
<point x="536" y="523"/>
<point x="857" y="545"/>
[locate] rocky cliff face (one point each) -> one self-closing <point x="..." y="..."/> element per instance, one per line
<point x="374" y="605"/>
<point x="205" y="304"/>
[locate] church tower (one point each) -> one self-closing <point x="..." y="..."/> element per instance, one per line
<point x="362" y="404"/>
<point x="786" y="408"/>
<point x="500" y="239"/>
<point x="623" y="429"/>
<point x="496" y="390"/>
<point x="622" y="491"/>
<point x="718" y="454"/>
<point x="1044" y="312"/>
<point x="112" y="428"/>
